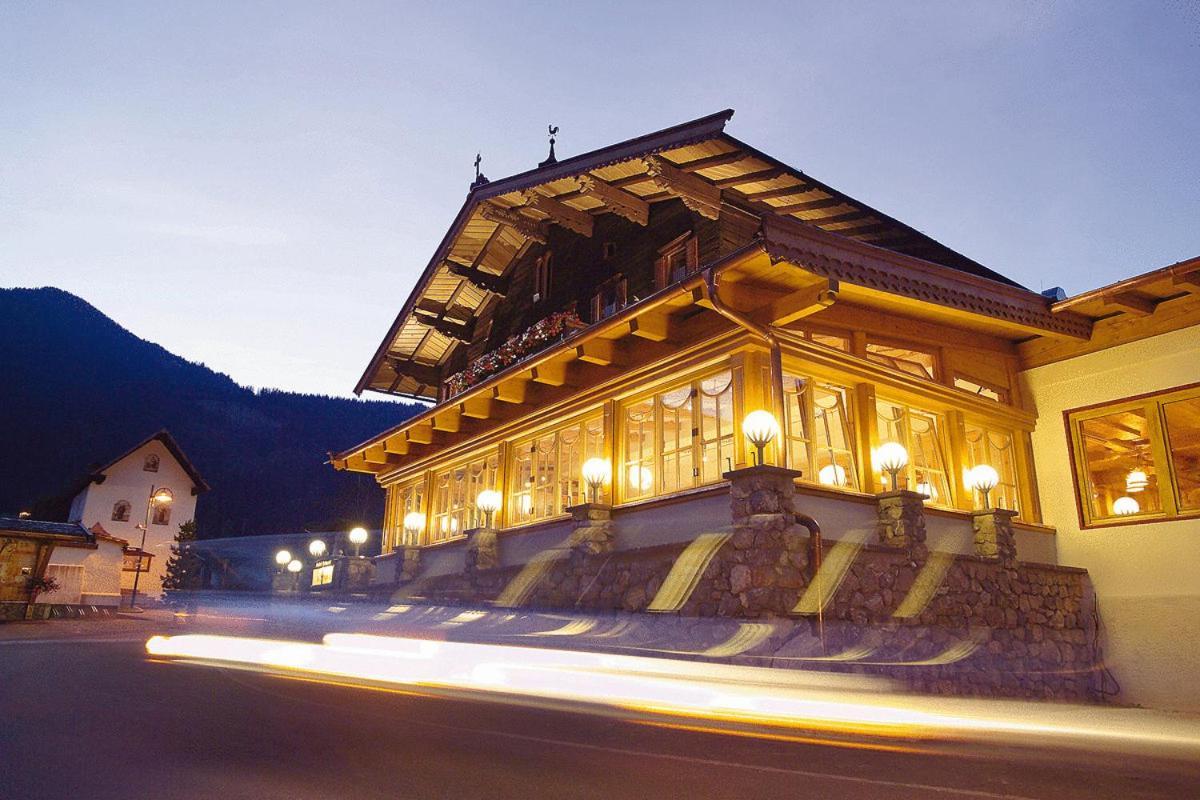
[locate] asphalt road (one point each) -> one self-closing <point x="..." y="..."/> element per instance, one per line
<point x="84" y="714"/>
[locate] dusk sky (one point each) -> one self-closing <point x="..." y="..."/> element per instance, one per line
<point x="258" y="186"/>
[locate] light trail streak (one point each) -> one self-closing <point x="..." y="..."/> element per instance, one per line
<point x="774" y="700"/>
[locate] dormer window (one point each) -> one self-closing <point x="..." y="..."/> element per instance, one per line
<point x="609" y="298"/>
<point x="120" y="511"/>
<point x="541" y="277"/>
<point x="677" y="259"/>
<point x="151" y="463"/>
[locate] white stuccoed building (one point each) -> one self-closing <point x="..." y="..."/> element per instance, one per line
<point x="117" y="496"/>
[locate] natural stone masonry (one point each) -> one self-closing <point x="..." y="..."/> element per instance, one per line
<point x="980" y="624"/>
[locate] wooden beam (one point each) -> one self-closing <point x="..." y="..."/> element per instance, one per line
<point x="655" y="327"/>
<point x="420" y="434"/>
<point x="623" y="204"/>
<point x="1188" y="280"/>
<point x="749" y="177"/>
<point x="448" y="419"/>
<point x="798" y="304"/>
<point x="476" y="407"/>
<point x="597" y="351"/>
<point x="484" y="281"/>
<point x="529" y="228"/>
<point x="551" y="373"/>
<point x="396" y="444"/>
<point x="849" y="216"/>
<point x="376" y="454"/>
<point x="696" y="193"/>
<point x="719" y="160"/>
<point x="786" y="191"/>
<point x="811" y="205"/>
<point x="425" y="373"/>
<point x="455" y="330"/>
<point x="863" y="230"/>
<point x="560" y="213"/>
<point x="513" y="390"/>
<point x="1132" y="303"/>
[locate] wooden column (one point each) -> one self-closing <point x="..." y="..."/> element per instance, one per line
<point x="956" y="430"/>
<point x="866" y="434"/>
<point x="1027" y="488"/>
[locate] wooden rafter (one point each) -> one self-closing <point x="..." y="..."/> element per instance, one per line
<point x="811" y="205"/>
<point x="484" y="281"/>
<point x="560" y="213"/>
<point x="1189" y="280"/>
<point x="447" y="327"/>
<point x="1132" y="303"/>
<point x="786" y="191"/>
<point x="529" y="228"/>
<point x="749" y="177"/>
<point x="849" y="216"/>
<point x="696" y="193"/>
<point x="719" y="160"/>
<point x="426" y="374"/>
<point x="619" y="202"/>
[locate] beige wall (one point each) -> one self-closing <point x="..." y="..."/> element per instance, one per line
<point x="94" y="574"/>
<point x="1147" y="576"/>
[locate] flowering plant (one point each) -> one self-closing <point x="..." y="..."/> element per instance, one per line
<point x="534" y="338"/>
<point x="43" y="585"/>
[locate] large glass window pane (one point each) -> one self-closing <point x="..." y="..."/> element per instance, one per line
<point x="922" y="435"/>
<point x="833" y="463"/>
<point x="913" y="362"/>
<point x="716" y="426"/>
<point x="1122" y="478"/>
<point x="995" y="448"/>
<point x="638" y="472"/>
<point x="676" y="410"/>
<point x="1183" y="442"/>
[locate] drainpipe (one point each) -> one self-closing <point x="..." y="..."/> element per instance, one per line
<point x="815" y="555"/>
<point x="764" y="332"/>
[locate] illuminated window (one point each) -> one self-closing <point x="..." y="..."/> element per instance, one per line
<point x="818" y="432"/>
<point x="161" y="514"/>
<point x="151" y="463"/>
<point x="322" y="574"/>
<point x="919" y="363"/>
<point x="455" y="491"/>
<point x="1139" y="458"/>
<point x="136" y="561"/>
<point x="548" y="470"/>
<point x="676" y="260"/>
<point x="923" y="436"/>
<point x="120" y="512"/>
<point x="679" y="438"/>
<point x="995" y="448"/>
<point x="983" y="390"/>
<point x="407" y="499"/>
<point x="833" y="341"/>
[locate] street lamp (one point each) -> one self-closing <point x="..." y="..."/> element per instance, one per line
<point x="295" y="565"/>
<point x="891" y="458"/>
<point x="596" y="472"/>
<point x="488" y="502"/>
<point x="760" y="427"/>
<point x="159" y="496"/>
<point x="316" y="548"/>
<point x="358" y="537"/>
<point x="414" y="525"/>
<point x="282" y="557"/>
<point x="983" y="479"/>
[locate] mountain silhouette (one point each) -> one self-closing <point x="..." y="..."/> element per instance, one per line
<point x="77" y="390"/>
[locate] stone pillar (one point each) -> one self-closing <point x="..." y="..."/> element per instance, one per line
<point x="483" y="550"/>
<point x="761" y="571"/>
<point x="994" y="536"/>
<point x="902" y="522"/>
<point x="593" y="532"/>
<point x="284" y="582"/>
<point x="409" y="564"/>
<point x="354" y="573"/>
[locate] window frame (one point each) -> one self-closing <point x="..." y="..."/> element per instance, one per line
<point x="1152" y="405"/>
<point x="468" y="513"/>
<point x="513" y="492"/>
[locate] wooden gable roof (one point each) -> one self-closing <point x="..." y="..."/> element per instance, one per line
<point x="696" y="162"/>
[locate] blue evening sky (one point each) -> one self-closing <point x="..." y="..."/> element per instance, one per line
<point x="257" y="186"/>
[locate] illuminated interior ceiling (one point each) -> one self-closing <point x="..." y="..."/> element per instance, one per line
<point x="502" y="218"/>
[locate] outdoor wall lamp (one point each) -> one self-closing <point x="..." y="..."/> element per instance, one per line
<point x="891" y="458"/>
<point x="488" y="502"/>
<point x="760" y="427"/>
<point x="983" y="479"/>
<point x="596" y="472"/>
<point x="414" y="524"/>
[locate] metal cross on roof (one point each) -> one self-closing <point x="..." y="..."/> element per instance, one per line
<point x="480" y="178"/>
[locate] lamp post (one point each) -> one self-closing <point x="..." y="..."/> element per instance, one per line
<point x="158" y="496"/>
<point x="760" y="427"/>
<point x="316" y="548"/>
<point x="358" y="537"/>
<point x="983" y="479"/>
<point x="488" y="501"/>
<point x="892" y="457"/>
<point x="596" y="472"/>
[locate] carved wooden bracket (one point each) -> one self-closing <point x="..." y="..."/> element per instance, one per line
<point x="560" y="213"/>
<point x="485" y="281"/>
<point x="455" y="330"/>
<point x="696" y="193"/>
<point x="623" y="204"/>
<point x="426" y="374"/>
<point x="529" y="228"/>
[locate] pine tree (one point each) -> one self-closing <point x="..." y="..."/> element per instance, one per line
<point x="183" y="567"/>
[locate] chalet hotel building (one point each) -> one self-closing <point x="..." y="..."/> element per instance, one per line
<point x="629" y="308"/>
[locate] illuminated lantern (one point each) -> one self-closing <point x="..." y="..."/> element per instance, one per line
<point x="414" y="523"/>
<point x="294" y="565"/>
<point x="1136" y="481"/>
<point x="316" y="548"/>
<point x="488" y="501"/>
<point x="283" y="557"/>
<point x="760" y="427"/>
<point x="596" y="472"/>
<point x="983" y="479"/>
<point x="891" y="457"/>
<point x="832" y="475"/>
<point x="1124" y="506"/>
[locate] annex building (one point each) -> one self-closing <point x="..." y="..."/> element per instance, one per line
<point x="942" y="449"/>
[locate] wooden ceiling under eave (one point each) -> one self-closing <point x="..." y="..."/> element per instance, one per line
<point x="695" y="162"/>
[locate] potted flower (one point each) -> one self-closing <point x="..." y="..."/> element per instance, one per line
<point x="36" y="586"/>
